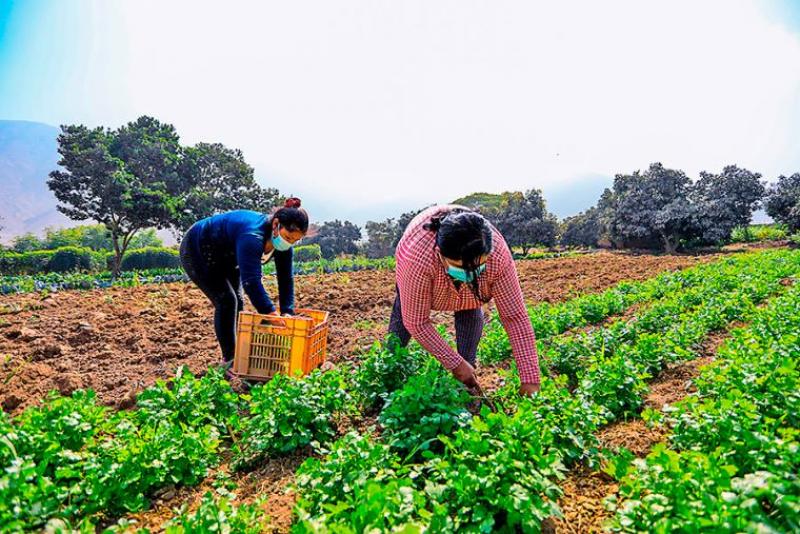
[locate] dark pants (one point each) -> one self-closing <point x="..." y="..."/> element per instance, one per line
<point x="222" y="285"/>
<point x="469" y="328"/>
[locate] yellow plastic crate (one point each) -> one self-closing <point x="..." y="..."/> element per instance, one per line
<point x="269" y="344"/>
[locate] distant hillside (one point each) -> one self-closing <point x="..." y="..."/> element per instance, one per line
<point x="28" y="152"/>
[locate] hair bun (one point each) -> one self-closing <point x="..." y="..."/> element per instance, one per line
<point x="292" y="202"/>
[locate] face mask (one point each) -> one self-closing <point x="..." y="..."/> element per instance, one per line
<point x="461" y="275"/>
<point x="280" y="243"/>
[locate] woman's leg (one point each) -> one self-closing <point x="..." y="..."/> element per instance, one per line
<point x="469" y="328"/>
<point x="220" y="292"/>
<point x="398" y="334"/>
<point x="235" y="279"/>
<point x="226" y="310"/>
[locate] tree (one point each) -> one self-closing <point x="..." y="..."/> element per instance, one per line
<point x="582" y="230"/>
<point x="724" y="201"/>
<point x="652" y="207"/>
<point x="218" y="179"/>
<point x="380" y="238"/>
<point x="94" y="236"/>
<point x="26" y="243"/>
<point x="335" y="238"/>
<point x="146" y="238"/>
<point x="383" y="236"/>
<point x="783" y="201"/>
<point x="127" y="179"/>
<point x="606" y="206"/>
<point x="525" y="222"/>
<point x="402" y="223"/>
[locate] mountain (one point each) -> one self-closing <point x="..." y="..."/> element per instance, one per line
<point x="28" y="152"/>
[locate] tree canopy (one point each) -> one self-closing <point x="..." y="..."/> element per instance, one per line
<point x="139" y="176"/>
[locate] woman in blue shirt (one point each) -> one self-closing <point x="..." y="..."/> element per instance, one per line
<point x="223" y="254"/>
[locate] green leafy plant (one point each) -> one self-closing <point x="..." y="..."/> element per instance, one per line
<point x="288" y="413"/>
<point x="429" y="404"/>
<point x="219" y="515"/>
<point x="385" y="369"/>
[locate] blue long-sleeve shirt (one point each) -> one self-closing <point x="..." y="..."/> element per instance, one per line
<point x="238" y="238"/>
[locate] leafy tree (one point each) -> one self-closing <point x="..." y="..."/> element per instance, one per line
<point x="127" y="179"/>
<point x="725" y="201"/>
<point x="383" y="236"/>
<point x="218" y="179"/>
<point x="146" y="238"/>
<point x="582" y="230"/>
<point x="605" y="216"/>
<point x="380" y="238"/>
<point x="336" y="237"/>
<point x="26" y="243"/>
<point x="525" y="222"/>
<point x="402" y="223"/>
<point x="94" y="236"/>
<point x="652" y="207"/>
<point x="783" y="201"/>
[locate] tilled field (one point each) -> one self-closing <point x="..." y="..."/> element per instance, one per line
<point x="120" y="340"/>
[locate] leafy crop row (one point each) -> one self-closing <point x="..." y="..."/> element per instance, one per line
<point x="732" y="460"/>
<point x="62" y="281"/>
<point x="551" y="319"/>
<point x="72" y="459"/>
<point x="501" y="470"/>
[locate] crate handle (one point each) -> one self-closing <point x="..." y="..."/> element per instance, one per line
<point x="273" y="321"/>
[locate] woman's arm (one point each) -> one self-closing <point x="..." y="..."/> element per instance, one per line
<point x="285" y="272"/>
<point x="249" y="248"/>
<point x="510" y="303"/>
<point x="416" y="287"/>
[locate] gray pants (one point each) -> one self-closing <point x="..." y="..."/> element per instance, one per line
<point x="469" y="328"/>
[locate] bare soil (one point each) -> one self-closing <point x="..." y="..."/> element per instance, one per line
<point x="121" y="340"/>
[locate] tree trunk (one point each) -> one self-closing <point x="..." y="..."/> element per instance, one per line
<point x="669" y="248"/>
<point x="117" y="256"/>
<point x="119" y="250"/>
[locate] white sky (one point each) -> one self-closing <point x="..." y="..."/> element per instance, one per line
<point x="403" y="103"/>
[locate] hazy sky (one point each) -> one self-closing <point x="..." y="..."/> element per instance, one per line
<point x="363" y="106"/>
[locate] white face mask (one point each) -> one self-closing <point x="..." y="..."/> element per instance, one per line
<point x="280" y="243"/>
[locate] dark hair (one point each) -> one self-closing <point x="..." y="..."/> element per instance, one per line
<point x="466" y="236"/>
<point x="292" y="216"/>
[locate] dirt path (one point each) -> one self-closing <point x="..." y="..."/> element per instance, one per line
<point x="120" y="340"/>
<point x="585" y="490"/>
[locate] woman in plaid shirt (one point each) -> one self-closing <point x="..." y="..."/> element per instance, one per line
<point x="452" y="259"/>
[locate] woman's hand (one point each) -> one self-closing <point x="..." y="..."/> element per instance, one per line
<point x="465" y="374"/>
<point x="528" y="389"/>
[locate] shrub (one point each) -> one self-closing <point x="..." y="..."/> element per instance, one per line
<point x="61" y="260"/>
<point x="67" y="259"/>
<point x="151" y="258"/>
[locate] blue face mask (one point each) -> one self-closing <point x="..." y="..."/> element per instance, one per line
<point x="461" y="275"/>
<point x="280" y="243"/>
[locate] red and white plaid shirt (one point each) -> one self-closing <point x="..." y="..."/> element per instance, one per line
<point x="424" y="286"/>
